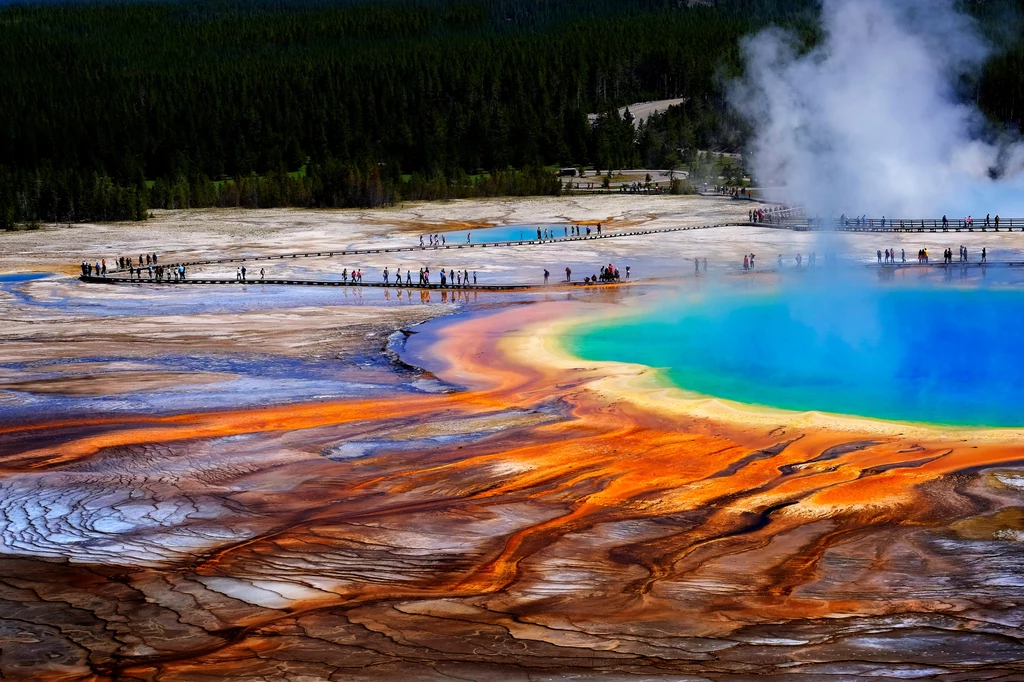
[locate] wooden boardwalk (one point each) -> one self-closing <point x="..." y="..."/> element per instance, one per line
<point x="340" y="283"/>
<point x="927" y="225"/>
<point x="328" y="253"/>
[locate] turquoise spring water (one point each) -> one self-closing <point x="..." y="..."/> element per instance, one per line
<point x="504" y="233"/>
<point x="945" y="355"/>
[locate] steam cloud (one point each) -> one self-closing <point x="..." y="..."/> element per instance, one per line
<point x="869" y="120"/>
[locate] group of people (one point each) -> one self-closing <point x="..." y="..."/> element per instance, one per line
<point x="890" y="256"/>
<point x="947" y="255"/>
<point x="609" y="273"/>
<point x="435" y="240"/>
<point x="448" y="278"/>
<point x="772" y="214"/>
<point x="240" y="274"/>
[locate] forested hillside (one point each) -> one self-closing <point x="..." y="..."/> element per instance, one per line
<point x="109" y="108"/>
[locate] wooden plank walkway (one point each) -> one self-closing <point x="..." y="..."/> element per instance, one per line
<point x="326" y="253"/>
<point x="339" y="283"/>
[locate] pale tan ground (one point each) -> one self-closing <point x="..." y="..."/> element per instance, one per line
<point x="219" y="233"/>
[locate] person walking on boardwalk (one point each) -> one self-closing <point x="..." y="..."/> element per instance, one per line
<point x="568" y="275"/>
<point x="746" y="263"/>
<point x="469" y="237"/>
<point x="238" y="274"/>
<point x="243" y="273"/>
<point x="696" y="266"/>
<point x="945" y="223"/>
<point x="984" y="255"/>
<point x="385" y="275"/>
<point x="997" y="221"/>
<point x="262" y="274"/>
<point x="878" y="254"/>
<point x="546" y="275"/>
<point x="474" y="278"/>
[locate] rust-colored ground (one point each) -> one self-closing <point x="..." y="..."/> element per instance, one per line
<point x="532" y="526"/>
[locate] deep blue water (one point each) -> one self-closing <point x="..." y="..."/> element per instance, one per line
<point x="22" y="276"/>
<point x="939" y="354"/>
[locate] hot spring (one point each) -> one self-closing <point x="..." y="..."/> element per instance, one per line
<point x="929" y="352"/>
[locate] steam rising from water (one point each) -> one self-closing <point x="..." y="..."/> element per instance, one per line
<point x="869" y="120"/>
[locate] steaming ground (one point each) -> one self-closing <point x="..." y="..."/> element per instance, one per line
<point x="870" y="121"/>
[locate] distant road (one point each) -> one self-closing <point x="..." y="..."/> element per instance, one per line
<point x="641" y="110"/>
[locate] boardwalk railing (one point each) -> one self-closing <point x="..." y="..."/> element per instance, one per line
<point x="903" y="224"/>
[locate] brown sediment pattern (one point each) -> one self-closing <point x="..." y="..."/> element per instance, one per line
<point x="557" y="518"/>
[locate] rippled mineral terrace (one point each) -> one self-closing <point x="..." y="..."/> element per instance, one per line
<point x="310" y="484"/>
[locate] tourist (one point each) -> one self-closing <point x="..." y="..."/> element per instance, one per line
<point x="945" y="223"/>
<point x="984" y="254"/>
<point x="385" y="275"/>
<point x="799" y="260"/>
<point x="568" y="275"/>
<point x="746" y="262"/>
<point x="262" y="274"/>
<point x="780" y="261"/>
<point x="243" y="273"/>
<point x="474" y="278"/>
<point x="238" y="274"/>
<point x="879" y="256"/>
<point x="469" y="236"/>
<point x="903" y="255"/>
<point x="997" y="222"/>
<point x="696" y="266"/>
<point x="751" y="261"/>
<point x="705" y="266"/>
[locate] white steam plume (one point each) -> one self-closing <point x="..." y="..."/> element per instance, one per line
<point x="869" y="121"/>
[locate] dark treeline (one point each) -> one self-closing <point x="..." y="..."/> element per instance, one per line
<point x="111" y="108"/>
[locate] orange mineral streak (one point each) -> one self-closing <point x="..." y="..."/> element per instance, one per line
<point x="773" y="501"/>
<point x="219" y="424"/>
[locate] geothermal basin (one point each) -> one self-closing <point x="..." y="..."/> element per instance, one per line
<point x="918" y="351"/>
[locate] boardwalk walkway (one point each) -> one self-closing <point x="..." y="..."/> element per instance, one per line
<point x="898" y="225"/>
<point x="340" y="283"/>
<point x="929" y="225"/>
<point x="450" y="247"/>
